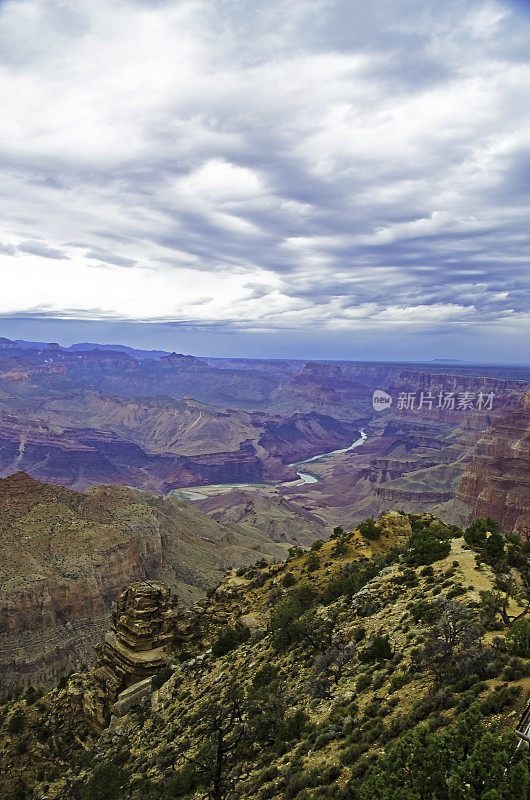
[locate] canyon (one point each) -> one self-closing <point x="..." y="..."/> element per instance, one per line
<point x="92" y="441"/>
<point x="65" y="556"/>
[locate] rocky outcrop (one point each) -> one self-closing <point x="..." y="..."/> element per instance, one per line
<point x="497" y="481"/>
<point x="316" y="369"/>
<point x="305" y="435"/>
<point x="178" y="361"/>
<point x="133" y="650"/>
<point x="66" y="556"/>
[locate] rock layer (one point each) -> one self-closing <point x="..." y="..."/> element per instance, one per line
<point x="65" y="557"/>
<point x="133" y="650"/>
<point x="497" y="482"/>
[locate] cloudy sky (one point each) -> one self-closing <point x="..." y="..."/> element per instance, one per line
<point x="320" y="178"/>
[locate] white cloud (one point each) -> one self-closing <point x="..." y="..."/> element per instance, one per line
<point x="160" y="157"/>
<point x="219" y="180"/>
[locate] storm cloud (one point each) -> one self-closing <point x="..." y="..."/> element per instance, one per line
<point x="268" y="166"/>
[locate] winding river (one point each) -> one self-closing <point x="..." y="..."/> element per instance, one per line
<point x="197" y="493"/>
<point x="307" y="477"/>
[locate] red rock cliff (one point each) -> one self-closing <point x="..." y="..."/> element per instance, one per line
<point x="497" y="482"/>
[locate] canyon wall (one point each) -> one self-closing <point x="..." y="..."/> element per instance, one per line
<point x="66" y="556"/>
<point x="497" y="481"/>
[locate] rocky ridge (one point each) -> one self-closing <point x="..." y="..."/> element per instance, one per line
<point x="324" y="701"/>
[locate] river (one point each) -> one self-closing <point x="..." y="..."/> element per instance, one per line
<point x="307" y="477"/>
<point x="197" y="492"/>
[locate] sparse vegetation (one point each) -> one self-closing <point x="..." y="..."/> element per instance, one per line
<point x="356" y="682"/>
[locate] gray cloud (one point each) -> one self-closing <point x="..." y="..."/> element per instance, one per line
<point x="362" y="165"/>
<point x="109" y="258"/>
<point x="40" y="249"/>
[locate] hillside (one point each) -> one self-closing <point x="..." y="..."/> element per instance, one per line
<point x="379" y="664"/>
<point x="65" y="557"/>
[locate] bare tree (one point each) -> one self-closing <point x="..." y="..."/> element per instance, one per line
<point x="498" y="600"/>
<point x="454" y="635"/>
<point x="218" y="763"/>
<point x="331" y="665"/>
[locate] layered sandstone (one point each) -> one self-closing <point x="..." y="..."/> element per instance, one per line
<point x="133" y="650"/>
<point x="497" y="481"/>
<point x="159" y="444"/>
<point x="66" y="556"/>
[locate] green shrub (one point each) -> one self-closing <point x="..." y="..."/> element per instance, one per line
<point x="359" y="633"/>
<point x="182" y="782"/>
<point x="265" y="676"/>
<point x="339" y="548"/>
<point x="518" y="638"/>
<point x="378" y="681"/>
<point x="17" y="722"/>
<point x="229" y="639"/>
<point x="493" y="548"/>
<point x="499" y="699"/>
<point x="283" y="622"/>
<point x="475" y="534"/>
<point x="515" y="669"/>
<point x="456" y="591"/>
<point x="369" y="529"/>
<point x="379" y="649"/>
<point x="288" y="580"/>
<point x="427" y="572"/>
<point x="295" y="552"/>
<point x="105" y="783"/>
<point x="161" y="677"/>
<point x="363" y="681"/>
<point x="312" y="562"/>
<point x="426" y="612"/>
<point x="295" y="724"/>
<point x="32" y="695"/>
<point x="425" y="547"/>
<point x="398" y="680"/>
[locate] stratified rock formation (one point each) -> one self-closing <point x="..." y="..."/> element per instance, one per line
<point x="85" y="438"/>
<point x="66" y="556"/>
<point x="142" y="629"/>
<point x="497" y="482"/>
<point x="133" y="650"/>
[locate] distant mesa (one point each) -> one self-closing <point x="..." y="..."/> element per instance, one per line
<point x="179" y="359"/>
<point x="7" y="344"/>
<point x="322" y="370"/>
